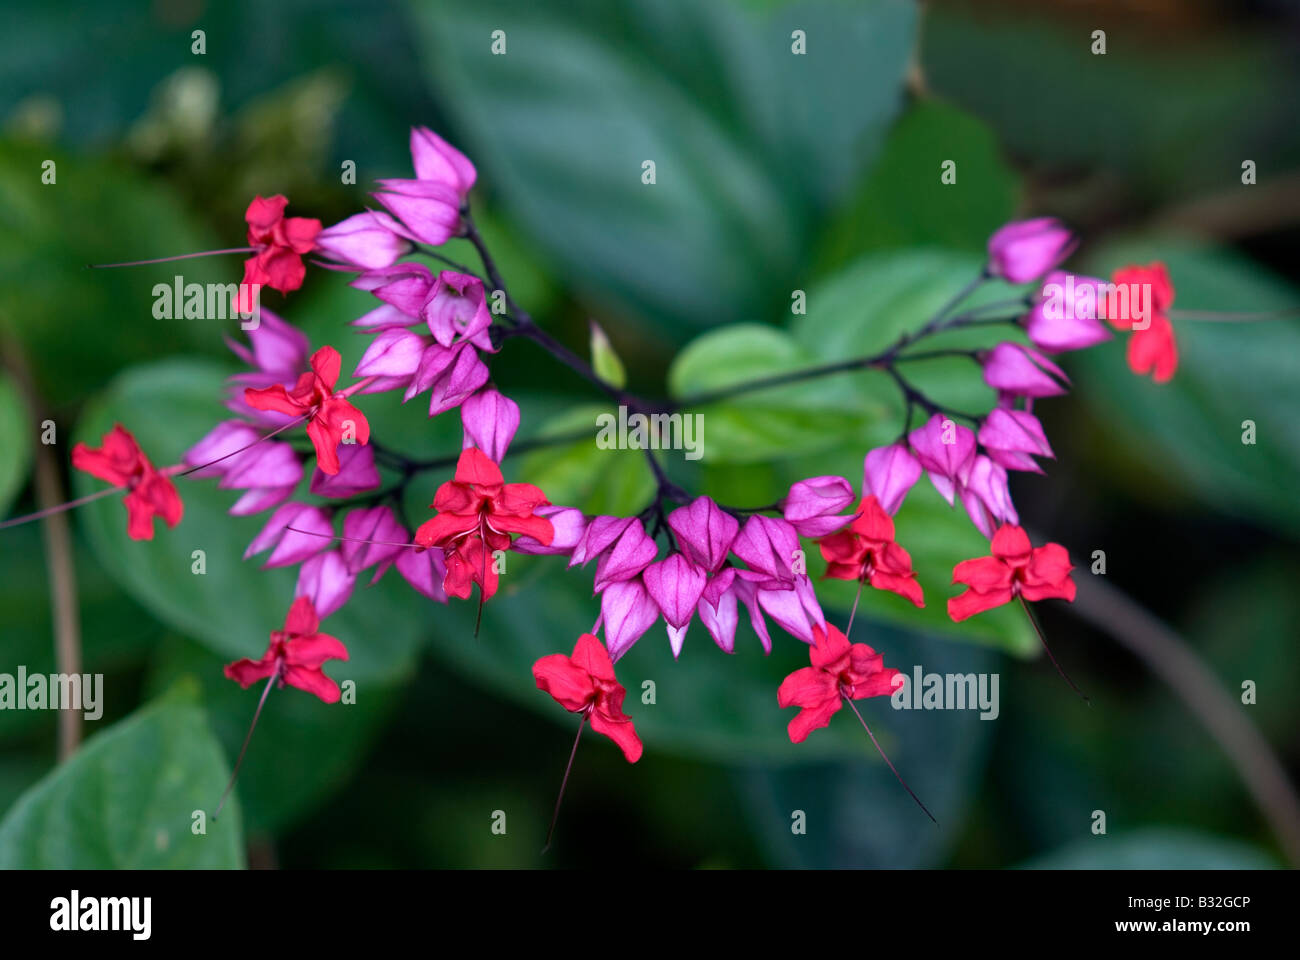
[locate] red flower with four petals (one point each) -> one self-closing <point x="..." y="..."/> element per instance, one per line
<point x="295" y="655"/>
<point x="1015" y="569"/>
<point x="280" y="244"/>
<point x="121" y="462"/>
<point x="1151" y="350"/>
<point x="866" y="551"/>
<point x="839" y="670"/>
<point x="332" y="418"/>
<point x="585" y="683"/>
<point x="477" y="513"/>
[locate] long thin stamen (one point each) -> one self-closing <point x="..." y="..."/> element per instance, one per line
<point x="564" y="783"/>
<point x="1039" y="630"/>
<point x="182" y="256"/>
<point x="59" y="508"/>
<point x="174" y="471"/>
<point x="244" y="749"/>
<point x="854" y="707"/>
<point x="330" y="536"/>
<point x="854" y="612"/>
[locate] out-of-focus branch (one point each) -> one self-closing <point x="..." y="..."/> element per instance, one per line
<point x="58" y="550"/>
<point x="1177" y="664"/>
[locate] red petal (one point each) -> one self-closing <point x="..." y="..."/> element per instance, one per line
<point x="1010" y="543"/>
<point x="983" y="573"/>
<point x="327" y="363"/>
<point x="476" y="467"/>
<point x="621" y="732"/>
<point x="812" y="718"/>
<point x="302" y="620"/>
<point x="314" y="682"/>
<point x="274" y="398"/>
<point x="590" y="655"/>
<point x="247" y="672"/>
<point x="973" y="601"/>
<point x="829" y="649"/>
<point x="562" y="679"/>
<point x="807" y="687"/>
<point x="311" y="651"/>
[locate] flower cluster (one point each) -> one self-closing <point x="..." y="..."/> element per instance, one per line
<point x="436" y="333"/>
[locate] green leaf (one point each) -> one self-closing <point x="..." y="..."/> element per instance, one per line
<point x="15" y="442"/>
<point x="233" y="607"/>
<point x="585" y="475"/>
<point x="604" y="359"/>
<point x="904" y="202"/>
<point x="775" y="422"/>
<point x="748" y="140"/>
<point x="303" y="751"/>
<point x="126" y="800"/>
<point x="1185" y="436"/>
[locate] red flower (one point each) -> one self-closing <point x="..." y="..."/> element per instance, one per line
<point x="295" y="655"/>
<point x="313" y="396"/>
<point x="121" y="462"/>
<point x="839" y="669"/>
<point x="866" y="551"/>
<point x="585" y="683"/>
<point x="280" y="245"/>
<point x="1153" y="349"/>
<point x="477" y="512"/>
<point x="1014" y="569"/>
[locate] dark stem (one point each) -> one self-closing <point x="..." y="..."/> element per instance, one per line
<point x="1042" y="639"/>
<point x="244" y="749"/>
<point x="854" y="707"/>
<point x="564" y="783"/>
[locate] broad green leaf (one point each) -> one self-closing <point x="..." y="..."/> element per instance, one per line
<point x="584" y="474"/>
<point x="234" y="606"/>
<point x="748" y="140"/>
<point x="1187" y="435"/>
<point x="776" y="422"/>
<point x="126" y="800"/>
<point x="905" y="200"/>
<point x="15" y="441"/>
<point x="303" y="751"/>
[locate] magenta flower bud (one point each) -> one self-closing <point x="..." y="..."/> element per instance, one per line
<point x="675" y="584"/>
<point x="568" y="524"/>
<point x="600" y="535"/>
<point x="451" y="376"/>
<point x="888" y="473"/>
<point x="1026" y="249"/>
<point x="438" y="161"/>
<point x="769" y="546"/>
<point x="223" y="440"/>
<point x="1066" y="314"/>
<point x="812" y="506"/>
<point x="371" y="523"/>
<point x="626" y="557"/>
<point x="429" y="211"/>
<point x="277" y="349"/>
<point x="1019" y="370"/>
<point x="945" y="450"/>
<point x="719" y="609"/>
<point x="490" y="420"/>
<point x="326" y="579"/>
<point x="393" y="354"/>
<point x="269" y="472"/>
<point x="795" y="610"/>
<point x="1013" y="438"/>
<point x="292" y="546"/>
<point x="425" y="570"/>
<point x="364" y="240"/>
<point x="987" y="498"/>
<point x="704" y="531"/>
<point x="627" y="612"/>
<point x="404" y="286"/>
<point x="456" y="307"/>
<point x="357" y="473"/>
<point x="383" y="317"/>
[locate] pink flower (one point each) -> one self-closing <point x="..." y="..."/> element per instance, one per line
<point x="986" y="496"/>
<point x="356" y="474"/>
<point x="1011" y="368"/>
<point x="813" y="506"/>
<point x="626" y="611"/>
<point x="437" y="161"/>
<point x="620" y="547"/>
<point x="295" y="656"/>
<point x="585" y="683"/>
<point x="705" y="532"/>
<point x="326" y="579"/>
<point x="1026" y="249"/>
<point x="840" y="670"/>
<point x="888" y="473"/>
<point x="1065" y="314"/>
<point x="1013" y="438"/>
<point x="490" y="420"/>
<point x="280" y="244"/>
<point x="430" y="212"/>
<point x="365" y="241"/>
<point x="567" y="524"/>
<point x="292" y="546"/>
<point x="945" y="450"/>
<point x="675" y="585"/>
<point x="456" y="310"/>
